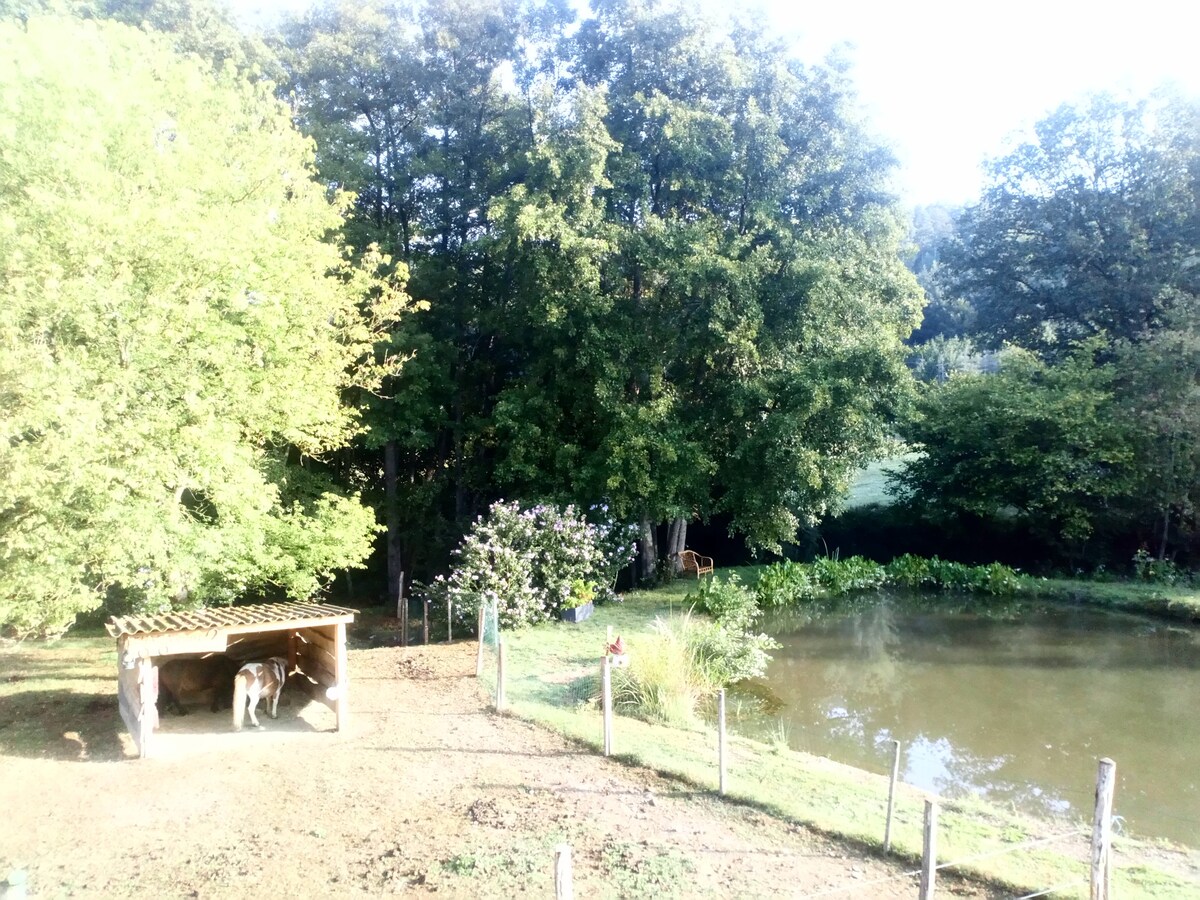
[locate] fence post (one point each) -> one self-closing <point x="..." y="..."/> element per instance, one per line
<point x="564" y="889"/>
<point x="449" y="621"/>
<point x="1106" y="782"/>
<point x="425" y="623"/>
<point x="403" y="613"/>
<point x="887" y="829"/>
<point x="606" y="682"/>
<point x="479" y="655"/>
<point x="500" y="698"/>
<point x="721" y="741"/>
<point x="929" y="851"/>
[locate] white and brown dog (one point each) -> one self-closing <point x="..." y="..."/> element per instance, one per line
<point x="258" y="681"/>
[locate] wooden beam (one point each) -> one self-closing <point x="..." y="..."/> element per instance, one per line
<point x="326" y="642"/>
<point x="343" y="678"/>
<point x="314" y="669"/>
<point x="171" y="643"/>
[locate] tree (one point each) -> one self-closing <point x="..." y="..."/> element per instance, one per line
<point x="1090" y="228"/>
<point x="1160" y="388"/>
<point x="1050" y="445"/>
<point x="657" y="255"/>
<point x="176" y="334"/>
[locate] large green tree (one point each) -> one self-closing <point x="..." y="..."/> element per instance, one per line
<point x="177" y="333"/>
<point x="1049" y="445"/>
<point x="661" y="262"/>
<point x="1091" y="227"/>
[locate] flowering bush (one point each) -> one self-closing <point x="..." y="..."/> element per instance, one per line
<point x="527" y="561"/>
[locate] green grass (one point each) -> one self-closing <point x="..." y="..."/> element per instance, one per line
<point x="554" y="680"/>
<point x="870" y="485"/>
<point x="1166" y="601"/>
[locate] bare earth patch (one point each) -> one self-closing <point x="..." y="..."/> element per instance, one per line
<point x="427" y="792"/>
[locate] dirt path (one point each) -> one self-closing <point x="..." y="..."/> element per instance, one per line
<point x="428" y="792"/>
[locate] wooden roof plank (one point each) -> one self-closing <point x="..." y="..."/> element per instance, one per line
<point x="241" y="619"/>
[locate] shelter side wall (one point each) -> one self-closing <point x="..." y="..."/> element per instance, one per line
<point x="321" y="658"/>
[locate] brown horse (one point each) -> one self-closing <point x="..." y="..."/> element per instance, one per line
<point x="204" y="675"/>
<point x="258" y="681"/>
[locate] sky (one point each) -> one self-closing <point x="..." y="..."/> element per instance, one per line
<point x="947" y="84"/>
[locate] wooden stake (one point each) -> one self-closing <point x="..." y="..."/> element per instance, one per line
<point x="425" y="623"/>
<point x="449" y="622"/>
<point x="887" y="829"/>
<point x="500" y="698"/>
<point x="1106" y="782"/>
<point x="400" y="596"/>
<point x="343" y="677"/>
<point x="721" y="740"/>
<point x="929" y="852"/>
<point x="606" y="681"/>
<point x="403" y="616"/>
<point x="479" y="655"/>
<point x="564" y="888"/>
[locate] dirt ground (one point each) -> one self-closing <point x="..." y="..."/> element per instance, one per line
<point x="427" y="792"/>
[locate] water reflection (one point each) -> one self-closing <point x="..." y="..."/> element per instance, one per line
<point x="1014" y="702"/>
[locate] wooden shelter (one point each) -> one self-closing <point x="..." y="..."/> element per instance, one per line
<point x="312" y="637"/>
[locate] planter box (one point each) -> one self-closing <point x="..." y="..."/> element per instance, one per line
<point x="578" y="614"/>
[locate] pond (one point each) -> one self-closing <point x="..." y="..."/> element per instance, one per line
<point x="1011" y="702"/>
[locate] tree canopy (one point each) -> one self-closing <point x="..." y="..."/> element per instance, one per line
<point x="662" y="262"/>
<point x="177" y="333"/>
<point x="1090" y="228"/>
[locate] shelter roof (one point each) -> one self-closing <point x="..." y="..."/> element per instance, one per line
<point x="265" y="615"/>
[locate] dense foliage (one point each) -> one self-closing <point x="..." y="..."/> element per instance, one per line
<point x="789" y="584"/>
<point x="177" y="333"/>
<point x="1082" y="251"/>
<point x="531" y="562"/>
<point x="661" y="261"/>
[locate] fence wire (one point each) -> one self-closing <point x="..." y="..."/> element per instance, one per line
<point x="1025" y="845"/>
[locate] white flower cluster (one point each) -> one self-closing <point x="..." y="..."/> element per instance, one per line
<point x="526" y="560"/>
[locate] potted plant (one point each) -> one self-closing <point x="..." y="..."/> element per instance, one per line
<point x="578" y="605"/>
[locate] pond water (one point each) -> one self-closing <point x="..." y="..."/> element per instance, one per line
<point x="1015" y="704"/>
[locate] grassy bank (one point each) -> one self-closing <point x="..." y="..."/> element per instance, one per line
<point x="1165" y="601"/>
<point x="554" y="680"/>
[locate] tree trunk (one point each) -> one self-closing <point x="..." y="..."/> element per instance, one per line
<point x="394" y="566"/>
<point x="647" y="551"/>
<point x="676" y="541"/>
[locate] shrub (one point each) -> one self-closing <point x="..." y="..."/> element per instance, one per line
<point x="528" y="561"/>
<point x="910" y="571"/>
<point x="726" y="600"/>
<point x="1157" y="571"/>
<point x="847" y="575"/>
<point x="785" y="584"/>
<point x="681" y="662"/>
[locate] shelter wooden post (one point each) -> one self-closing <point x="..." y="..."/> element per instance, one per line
<point x="1101" y="863"/>
<point x="343" y="679"/>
